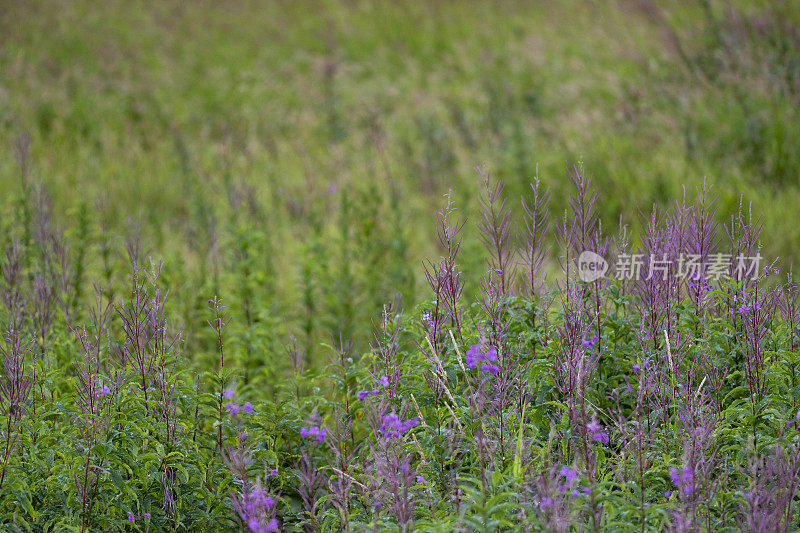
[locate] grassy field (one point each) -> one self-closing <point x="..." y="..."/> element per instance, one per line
<point x="290" y="157"/>
<point x="188" y="123"/>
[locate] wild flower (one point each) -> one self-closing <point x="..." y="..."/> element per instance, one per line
<point x="794" y="423"/>
<point x="393" y="426"/>
<point x="256" y="508"/>
<point x="683" y="480"/>
<point x="364" y="394"/>
<point x="569" y="476"/>
<point x="235" y="409"/>
<point x="589" y="343"/>
<point x="480" y="353"/>
<point x="317" y="432"/>
<point x="596" y="432"/>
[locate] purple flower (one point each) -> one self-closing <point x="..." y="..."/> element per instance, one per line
<point x="363" y="394"/>
<point x="667" y="493"/>
<point x="490" y="354"/>
<point x="233" y="408"/>
<point x="105" y="391"/>
<point x="547" y="502"/>
<point x="248" y="407"/>
<point x="597" y="434"/>
<point x="228" y="393"/>
<point x="589" y="343"/>
<point x="131" y="517"/>
<point x="384" y="381"/>
<point x="490" y="368"/>
<point x="684" y="479"/>
<point x="146" y="516"/>
<point x="274" y="472"/>
<point x="688" y="476"/>
<point x="318" y="432"/>
<point x="636" y="369"/>
<point x="393" y="427"/>
<point x="476" y="354"/>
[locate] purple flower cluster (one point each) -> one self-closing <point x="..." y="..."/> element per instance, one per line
<point x="364" y="394"/>
<point x="589" y="343"/>
<point x="236" y="409"/>
<point x="597" y="434"/>
<point x="317" y="432"/>
<point x="684" y="480"/>
<point x="133" y="518"/>
<point x="701" y="280"/>
<point x="477" y="354"/>
<point x="639" y="368"/>
<point x="393" y="427"/>
<point x="104" y="391"/>
<point x="570" y="478"/>
<point x="255" y="508"/>
<point x="745" y="309"/>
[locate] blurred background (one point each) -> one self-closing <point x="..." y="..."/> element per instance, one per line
<point x="290" y="157"/>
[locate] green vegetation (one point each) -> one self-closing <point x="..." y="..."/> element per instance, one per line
<point x="288" y="159"/>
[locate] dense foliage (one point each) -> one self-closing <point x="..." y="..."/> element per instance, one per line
<point x="665" y="399"/>
<point x="223" y="307"/>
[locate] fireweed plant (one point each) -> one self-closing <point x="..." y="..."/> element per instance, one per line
<point x="658" y="398"/>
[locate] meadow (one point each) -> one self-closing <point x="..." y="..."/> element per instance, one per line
<point x="314" y="266"/>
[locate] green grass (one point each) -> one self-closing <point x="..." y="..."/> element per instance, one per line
<point x="154" y="117"/>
